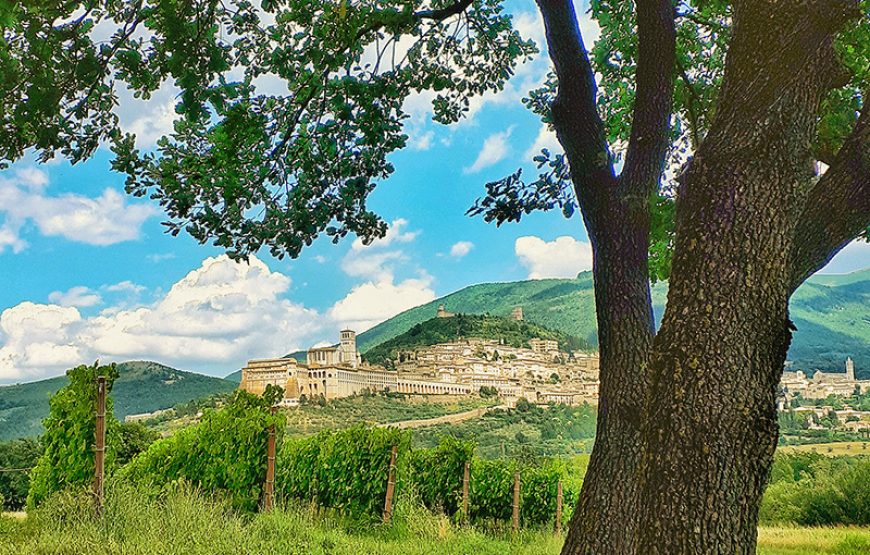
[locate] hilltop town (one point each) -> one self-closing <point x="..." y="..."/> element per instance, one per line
<point x="540" y="371"/>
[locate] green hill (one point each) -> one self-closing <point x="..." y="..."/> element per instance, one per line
<point x="141" y="387"/>
<point x="442" y="330"/>
<point x="831" y="312"/>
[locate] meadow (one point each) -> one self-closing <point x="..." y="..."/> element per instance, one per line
<point x="184" y="520"/>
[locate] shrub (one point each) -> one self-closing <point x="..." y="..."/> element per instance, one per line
<point x="437" y="473"/>
<point x="226" y="451"/>
<point x="70" y="430"/>
<point x="347" y="470"/>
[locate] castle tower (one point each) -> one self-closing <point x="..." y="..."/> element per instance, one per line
<point x="347" y="348"/>
<point x="517" y="314"/>
<point x="850" y="369"/>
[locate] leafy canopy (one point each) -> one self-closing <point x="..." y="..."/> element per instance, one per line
<point x="289" y="109"/>
<point x="247" y="166"/>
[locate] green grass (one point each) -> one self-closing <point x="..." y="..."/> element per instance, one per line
<point x="184" y="521"/>
<point x="373" y="410"/>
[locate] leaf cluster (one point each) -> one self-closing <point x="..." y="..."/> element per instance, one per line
<point x="70" y="430"/>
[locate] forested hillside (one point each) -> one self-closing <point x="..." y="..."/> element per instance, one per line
<point x="442" y="330"/>
<point x="141" y="387"/>
<point x="832" y="314"/>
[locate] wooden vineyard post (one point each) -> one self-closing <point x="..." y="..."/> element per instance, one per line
<point x="269" y="488"/>
<point x="466" y="475"/>
<point x="391" y="486"/>
<point x="516" y="505"/>
<point x="100" y="447"/>
<point x="559" y="508"/>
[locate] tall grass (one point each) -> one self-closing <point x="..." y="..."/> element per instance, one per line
<point x="182" y="520"/>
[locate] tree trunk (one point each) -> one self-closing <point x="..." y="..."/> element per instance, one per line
<point x="710" y="429"/>
<point x="605" y="518"/>
<point x="710" y="426"/>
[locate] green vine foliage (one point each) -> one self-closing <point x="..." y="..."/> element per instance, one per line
<point x="226" y="451"/>
<point x="437" y="473"/>
<point x="70" y="432"/>
<point x="346" y="470"/>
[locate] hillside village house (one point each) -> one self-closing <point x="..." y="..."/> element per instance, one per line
<point x="540" y="374"/>
<point x="823" y="384"/>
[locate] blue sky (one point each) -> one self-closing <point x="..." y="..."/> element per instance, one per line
<point x="88" y="272"/>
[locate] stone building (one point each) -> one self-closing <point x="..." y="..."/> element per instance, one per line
<point x="823" y="384"/>
<point x="539" y="345"/>
<point x="343" y="354"/>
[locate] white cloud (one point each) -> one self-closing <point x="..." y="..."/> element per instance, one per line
<point x="375" y="301"/>
<point x="160" y="257"/>
<point x="461" y="248"/>
<point x="421" y="141"/>
<point x="125" y="286"/>
<point x="546" y="139"/>
<point x="214" y="319"/>
<point x="563" y="257"/>
<point x="854" y="256"/>
<point x="79" y="296"/>
<point x="156" y="122"/>
<point x="395" y="234"/>
<point x="495" y="149"/>
<point x="104" y="220"/>
<point x="373" y="261"/>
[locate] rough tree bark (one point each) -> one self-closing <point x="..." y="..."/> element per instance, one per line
<point x="710" y="428"/>
<point x="616" y="212"/>
<point x="687" y="422"/>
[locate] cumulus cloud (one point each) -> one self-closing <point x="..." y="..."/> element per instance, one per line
<point x="395" y="234"/>
<point x="213" y="320"/>
<point x="564" y="257"/>
<point x="381" y="295"/>
<point x="79" y="296"/>
<point x="104" y="220"/>
<point x="461" y="248"/>
<point x="495" y="149"/>
<point x="546" y="138"/>
<point x="375" y="301"/>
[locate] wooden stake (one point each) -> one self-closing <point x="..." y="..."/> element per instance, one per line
<point x="516" y="505"/>
<point x="100" y="447"/>
<point x="269" y="488"/>
<point x="391" y="486"/>
<point x="466" y="476"/>
<point x="559" y="508"/>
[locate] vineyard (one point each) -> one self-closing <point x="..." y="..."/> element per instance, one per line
<point x="358" y="471"/>
<point x="239" y="482"/>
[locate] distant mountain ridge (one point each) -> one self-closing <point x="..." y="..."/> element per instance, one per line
<point x="142" y="387"/>
<point x="831" y="313"/>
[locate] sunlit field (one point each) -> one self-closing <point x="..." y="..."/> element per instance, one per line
<point x="185" y="521"/>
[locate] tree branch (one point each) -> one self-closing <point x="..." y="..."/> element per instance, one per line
<point x="443" y="13"/>
<point x="648" y="143"/>
<point x="575" y="117"/>
<point x="837" y="208"/>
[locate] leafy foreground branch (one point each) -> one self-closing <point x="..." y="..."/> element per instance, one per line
<point x="183" y="520"/>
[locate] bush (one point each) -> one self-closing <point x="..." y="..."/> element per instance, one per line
<point x="831" y="491"/>
<point x="346" y="470"/>
<point x="17" y="454"/>
<point x="70" y="429"/>
<point x="437" y="473"/>
<point x="226" y="451"/>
